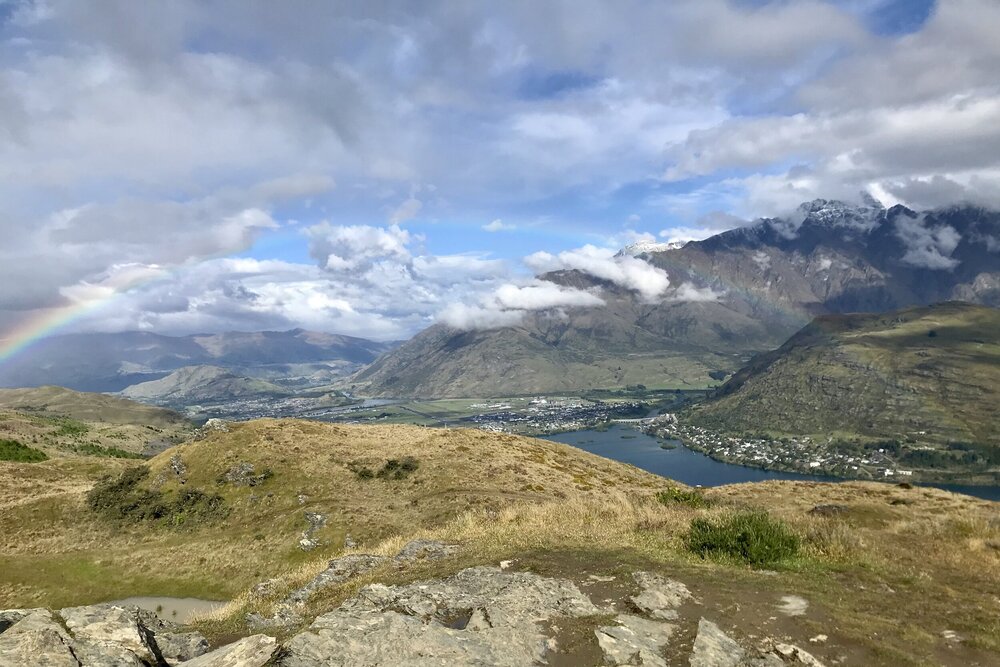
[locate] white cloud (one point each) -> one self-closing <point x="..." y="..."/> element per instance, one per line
<point x="629" y="272"/>
<point x="690" y="292"/>
<point x="926" y="246"/>
<point x="509" y="303"/>
<point x="352" y="247"/>
<point x="498" y="225"/>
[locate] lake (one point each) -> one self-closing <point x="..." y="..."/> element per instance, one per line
<point x="628" y="445"/>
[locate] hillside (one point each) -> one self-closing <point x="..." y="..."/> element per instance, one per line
<point x="201" y="384"/>
<point x="926" y="375"/>
<point x="733" y="295"/>
<point x="454" y="543"/>
<point x="61" y="422"/>
<point x="109" y="362"/>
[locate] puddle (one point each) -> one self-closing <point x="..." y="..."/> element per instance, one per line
<point x="177" y="610"/>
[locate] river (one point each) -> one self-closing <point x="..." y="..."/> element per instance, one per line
<point x="629" y="445"/>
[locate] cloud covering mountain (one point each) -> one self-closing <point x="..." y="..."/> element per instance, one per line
<point x="191" y="166"/>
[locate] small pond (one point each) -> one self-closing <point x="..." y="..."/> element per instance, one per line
<point x="177" y="610"/>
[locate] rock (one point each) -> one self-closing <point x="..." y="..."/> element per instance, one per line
<point x="91" y="653"/>
<point x="790" y="653"/>
<point x="252" y="651"/>
<point x="793" y="605"/>
<point x="179" y="467"/>
<point x="339" y="570"/>
<point x="660" y="596"/>
<point x="176" y="647"/>
<point x="426" y="550"/>
<point x="36" y="639"/>
<point x="480" y="616"/>
<point x="110" y="624"/>
<point x="634" y="641"/>
<point x="12" y="616"/>
<point x="315" y="521"/>
<point x="829" y="510"/>
<point x="818" y="639"/>
<point x="244" y="474"/>
<point x="283" y="617"/>
<point x="349" y="542"/>
<point x="265" y="589"/>
<point x="714" y="648"/>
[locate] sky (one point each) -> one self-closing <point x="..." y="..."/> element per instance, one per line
<point x="371" y="168"/>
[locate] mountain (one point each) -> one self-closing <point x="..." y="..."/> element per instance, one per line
<point x="113" y="361"/>
<point x="201" y="384"/>
<point x="733" y="295"/>
<point x="928" y="374"/>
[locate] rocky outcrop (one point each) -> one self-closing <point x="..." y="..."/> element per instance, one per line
<point x="94" y="636"/>
<point x="253" y="651"/>
<point x="480" y="616"/>
<point x="660" y="596"/>
<point x="634" y="640"/>
<point x="339" y="570"/>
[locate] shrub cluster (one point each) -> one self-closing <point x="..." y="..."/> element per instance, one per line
<point x="122" y="498"/>
<point x="392" y="469"/>
<point x="751" y="537"/>
<point x="674" y="495"/>
<point x="12" y="450"/>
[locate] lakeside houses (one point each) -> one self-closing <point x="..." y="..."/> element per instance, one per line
<point x="795" y="454"/>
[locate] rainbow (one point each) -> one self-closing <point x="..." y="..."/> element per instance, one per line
<point x="85" y="299"/>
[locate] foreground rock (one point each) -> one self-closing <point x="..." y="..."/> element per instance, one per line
<point x="660" y="597"/>
<point x="480" y="616"/>
<point x="253" y="651"/>
<point x="634" y="641"/>
<point x="94" y="636"/>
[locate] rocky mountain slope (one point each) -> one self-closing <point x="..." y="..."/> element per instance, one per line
<point x="407" y="545"/>
<point x="922" y="375"/>
<point x="111" y="362"/>
<point x="201" y="384"/>
<point x="735" y="294"/>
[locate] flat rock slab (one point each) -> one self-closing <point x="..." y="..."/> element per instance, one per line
<point x="480" y="616"/>
<point x="660" y="597"/>
<point x="425" y="550"/>
<point x="634" y="641"/>
<point x="109" y="624"/>
<point x="714" y="648"/>
<point x="36" y="639"/>
<point x="338" y="571"/>
<point x="252" y="651"/>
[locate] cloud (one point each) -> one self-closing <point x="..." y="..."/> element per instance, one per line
<point x="690" y="292"/>
<point x="926" y="246"/>
<point x="629" y="272"/>
<point x="353" y="247"/>
<point x="406" y="211"/>
<point x="510" y="303"/>
<point x="498" y="225"/>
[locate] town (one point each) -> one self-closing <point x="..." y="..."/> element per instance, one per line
<point x="793" y="454"/>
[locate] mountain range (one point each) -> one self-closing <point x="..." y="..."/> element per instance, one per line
<point x="110" y="362"/>
<point x="733" y="295"/>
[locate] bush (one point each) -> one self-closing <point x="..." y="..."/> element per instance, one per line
<point x="122" y="498"/>
<point x="12" y="450"/>
<point x="751" y="537"/>
<point x="91" y="449"/>
<point x="398" y="468"/>
<point x="676" y="496"/>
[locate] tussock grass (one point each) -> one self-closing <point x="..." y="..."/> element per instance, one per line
<point x="750" y="537"/>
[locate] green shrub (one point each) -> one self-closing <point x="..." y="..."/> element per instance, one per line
<point x="750" y="537"/>
<point x="122" y="498"/>
<point x="398" y="468"/>
<point x="673" y="495"/>
<point x="71" y="427"/>
<point x="12" y="450"/>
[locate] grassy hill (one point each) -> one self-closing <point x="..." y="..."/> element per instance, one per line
<point x="60" y="422"/>
<point x="214" y="516"/>
<point x="924" y="376"/>
<point x="201" y="384"/>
